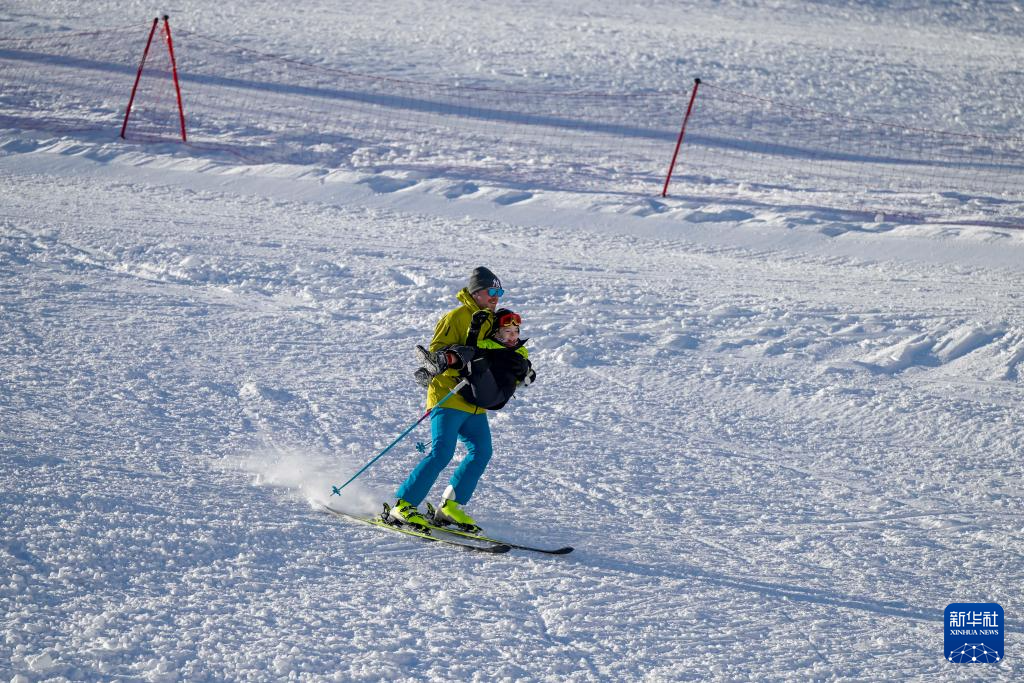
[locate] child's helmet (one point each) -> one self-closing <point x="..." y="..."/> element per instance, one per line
<point x="504" y="317"/>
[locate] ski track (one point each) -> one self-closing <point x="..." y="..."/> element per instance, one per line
<point x="781" y="440"/>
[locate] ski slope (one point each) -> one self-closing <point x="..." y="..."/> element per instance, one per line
<point x="781" y="439"/>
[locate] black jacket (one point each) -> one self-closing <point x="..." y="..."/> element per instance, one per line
<point x="494" y="373"/>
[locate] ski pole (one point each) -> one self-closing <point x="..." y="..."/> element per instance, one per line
<point x="337" y="489"/>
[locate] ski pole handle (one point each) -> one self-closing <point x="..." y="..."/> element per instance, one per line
<point x="336" y="490"/>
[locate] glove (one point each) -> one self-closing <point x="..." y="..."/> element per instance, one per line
<point x="531" y="376"/>
<point x="519" y="366"/>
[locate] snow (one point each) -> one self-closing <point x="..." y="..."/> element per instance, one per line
<point x="781" y="439"/>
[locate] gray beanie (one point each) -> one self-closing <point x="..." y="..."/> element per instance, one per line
<point x="482" y="278"/>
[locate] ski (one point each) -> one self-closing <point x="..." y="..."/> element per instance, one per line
<point x="477" y="536"/>
<point x="492" y="547"/>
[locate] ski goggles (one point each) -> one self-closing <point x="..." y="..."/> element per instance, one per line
<point x="510" y="320"/>
<point x="495" y="291"/>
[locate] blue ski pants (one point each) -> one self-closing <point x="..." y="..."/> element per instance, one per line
<point x="447" y="427"/>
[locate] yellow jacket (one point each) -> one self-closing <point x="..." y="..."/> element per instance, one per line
<point x="453" y="328"/>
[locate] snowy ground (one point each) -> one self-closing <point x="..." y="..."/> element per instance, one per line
<point x="781" y="440"/>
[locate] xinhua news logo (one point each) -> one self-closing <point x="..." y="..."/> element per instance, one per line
<point x="974" y="633"/>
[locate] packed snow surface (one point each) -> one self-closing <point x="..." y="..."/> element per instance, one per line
<point x="781" y="439"/>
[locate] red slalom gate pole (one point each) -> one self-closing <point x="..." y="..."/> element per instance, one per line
<point x="682" y="132"/>
<point x="174" y="71"/>
<point x="138" y="75"/>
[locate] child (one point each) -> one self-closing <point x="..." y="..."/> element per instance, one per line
<point x="506" y="332"/>
<point x="503" y="361"/>
<point x="495" y="368"/>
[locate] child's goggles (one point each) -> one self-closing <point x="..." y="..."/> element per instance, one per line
<point x="510" y="320"/>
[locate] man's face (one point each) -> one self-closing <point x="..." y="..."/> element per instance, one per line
<point x="485" y="300"/>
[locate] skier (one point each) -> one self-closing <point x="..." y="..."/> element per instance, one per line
<point x="453" y="348"/>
